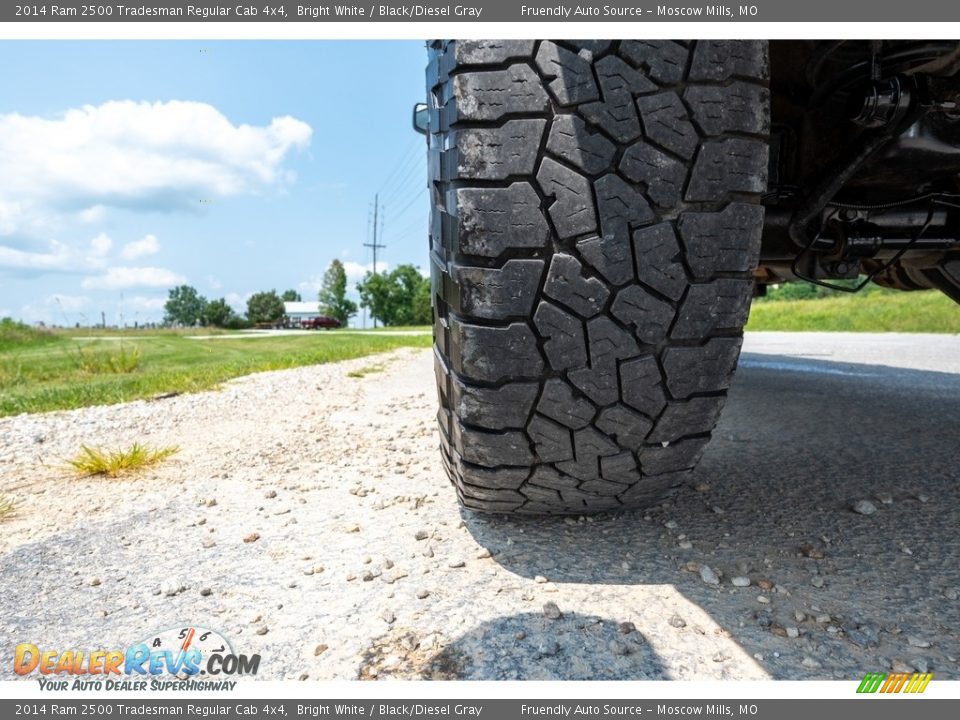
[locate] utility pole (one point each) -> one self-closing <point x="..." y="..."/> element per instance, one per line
<point x="374" y="245"/>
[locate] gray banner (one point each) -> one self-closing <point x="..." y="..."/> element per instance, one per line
<point x="876" y="708"/>
<point x="633" y="11"/>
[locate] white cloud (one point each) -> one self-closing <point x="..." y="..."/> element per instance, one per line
<point x="238" y="301"/>
<point x="355" y="271"/>
<point x="147" y="304"/>
<point x="155" y="156"/>
<point x="101" y="244"/>
<point x="120" y="278"/>
<point x="213" y="282"/>
<point x="147" y="245"/>
<point x="92" y="214"/>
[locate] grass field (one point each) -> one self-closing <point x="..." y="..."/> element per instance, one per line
<point x="928" y="312"/>
<point x="42" y="371"/>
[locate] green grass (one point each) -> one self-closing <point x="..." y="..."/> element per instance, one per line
<point x="910" y="312"/>
<point x="15" y="335"/>
<point x="113" y="463"/>
<point x="42" y="373"/>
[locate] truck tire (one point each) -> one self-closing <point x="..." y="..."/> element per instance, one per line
<point x="595" y="225"/>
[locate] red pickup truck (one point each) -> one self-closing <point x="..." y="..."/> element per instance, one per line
<point x="319" y="322"/>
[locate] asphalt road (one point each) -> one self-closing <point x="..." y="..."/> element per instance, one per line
<point x="364" y="567"/>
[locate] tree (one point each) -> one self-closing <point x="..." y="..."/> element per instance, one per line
<point x="264" y="307"/>
<point x="333" y="294"/>
<point x="185" y="306"/>
<point x="400" y="297"/>
<point x="217" y="313"/>
<point x="291" y="296"/>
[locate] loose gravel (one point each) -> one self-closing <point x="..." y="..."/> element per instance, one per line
<point x="307" y="517"/>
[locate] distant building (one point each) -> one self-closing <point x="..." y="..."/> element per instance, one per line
<point x="297" y="312"/>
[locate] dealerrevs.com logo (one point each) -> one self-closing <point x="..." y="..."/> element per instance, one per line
<point x="187" y="658"/>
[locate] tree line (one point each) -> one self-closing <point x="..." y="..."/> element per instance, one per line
<point x="398" y="297"/>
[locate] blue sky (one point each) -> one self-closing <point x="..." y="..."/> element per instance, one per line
<point x="128" y="167"/>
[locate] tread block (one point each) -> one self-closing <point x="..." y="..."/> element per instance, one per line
<point x="658" y="260"/>
<point x="661" y="175"/>
<point x="629" y="428"/>
<point x="602" y="487"/>
<point x="572" y="74"/>
<point x="721" y="304"/>
<point x="689" y="417"/>
<point x="544" y="495"/>
<point x="729" y="165"/>
<point x="609" y="256"/>
<point x="494" y="409"/>
<point x="616" y="76"/>
<point x="739" y="107"/>
<point x="572" y="211"/>
<point x="665" y="61"/>
<point x="571" y="140"/>
<point x="488" y="506"/>
<point x="617" y="113"/>
<point x="609" y="343"/>
<point x="499" y="495"/>
<point x="643" y="494"/>
<point x="491" y="449"/>
<point x="498" y="153"/>
<point x="676" y="456"/>
<point x="643" y="386"/>
<point x="649" y="316"/>
<point x="620" y="206"/>
<point x="598" y="384"/>
<point x="728" y="241"/>
<point x="564" y="346"/>
<point x="491" y="52"/>
<point x="490" y="95"/>
<point x="493" y="220"/>
<point x="665" y="121"/>
<point x="723" y="59"/>
<point x="503" y="478"/>
<point x="551" y="440"/>
<point x="558" y="402"/>
<point x="548" y="477"/>
<point x="566" y="283"/>
<point x="620" y="468"/>
<point x="498" y="293"/>
<point x="494" y="354"/>
<point x="708" y="368"/>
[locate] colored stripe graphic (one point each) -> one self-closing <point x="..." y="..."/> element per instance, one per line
<point x="913" y="683"/>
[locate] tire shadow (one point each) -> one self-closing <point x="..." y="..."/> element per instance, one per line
<point x="799" y="443"/>
<point x="525" y="646"/>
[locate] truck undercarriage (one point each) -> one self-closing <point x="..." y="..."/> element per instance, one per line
<point x="865" y="162"/>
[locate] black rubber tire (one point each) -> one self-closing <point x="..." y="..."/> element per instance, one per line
<point x="595" y="225"/>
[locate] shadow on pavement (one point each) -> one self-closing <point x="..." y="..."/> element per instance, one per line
<point x="799" y="443"/>
<point x="525" y="646"/>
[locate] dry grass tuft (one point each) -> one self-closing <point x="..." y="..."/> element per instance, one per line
<point x="112" y="463"/>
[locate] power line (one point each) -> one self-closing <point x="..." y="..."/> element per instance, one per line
<point x="406" y="156"/>
<point x="375" y="245"/>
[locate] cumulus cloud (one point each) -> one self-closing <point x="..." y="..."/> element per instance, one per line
<point x="146" y="245"/>
<point x="121" y="278"/>
<point x="161" y="156"/>
<point x="147" y="304"/>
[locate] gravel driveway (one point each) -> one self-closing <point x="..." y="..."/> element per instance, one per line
<point x="316" y="527"/>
